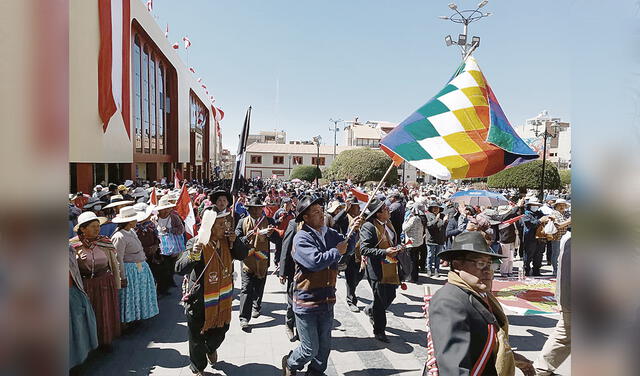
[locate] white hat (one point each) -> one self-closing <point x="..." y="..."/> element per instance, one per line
<point x="139" y="192"/>
<point x="333" y="206"/>
<point x="98" y="187"/>
<point x="561" y="201"/>
<point x="128" y="183"/>
<point x="144" y="210"/>
<point x="128" y="214"/>
<point x="533" y="201"/>
<point x="88" y="217"/>
<point x="164" y="203"/>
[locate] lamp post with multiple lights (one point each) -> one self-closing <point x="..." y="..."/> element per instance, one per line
<point x="335" y="130"/>
<point x="545" y="135"/>
<point x="465" y="17"/>
<point x="317" y="140"/>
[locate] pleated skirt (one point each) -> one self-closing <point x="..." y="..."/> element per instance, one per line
<point x="103" y="296"/>
<point x="83" y="331"/>
<point x="138" y="301"/>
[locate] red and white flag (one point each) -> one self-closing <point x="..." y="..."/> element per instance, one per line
<point x="204" y="86"/>
<point x="166" y="32"/>
<point x="113" y="60"/>
<point x="199" y="79"/>
<point x="187" y="42"/>
<point x="149" y="5"/>
<point x="184" y="207"/>
<point x="361" y="196"/>
<point x="175" y="46"/>
<point x="154" y="197"/>
<point x="192" y="70"/>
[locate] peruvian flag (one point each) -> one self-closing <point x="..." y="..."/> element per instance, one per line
<point x="187" y="42"/>
<point x="199" y="79"/>
<point x="149" y="5"/>
<point x="184" y="207"/>
<point x="166" y="32"/>
<point x="177" y="178"/>
<point x="175" y="46"/>
<point x="361" y="196"/>
<point x="204" y="86"/>
<point x="113" y="61"/>
<point x="192" y="70"/>
<point x="154" y="197"/>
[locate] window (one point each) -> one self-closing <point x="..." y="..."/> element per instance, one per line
<point x="145" y="100"/>
<point x="297" y="160"/>
<point x="137" y="92"/>
<point x="278" y="159"/>
<point x="315" y="160"/>
<point x="161" y="113"/>
<point x="152" y="104"/>
<point x="256" y="159"/>
<point x="198" y="114"/>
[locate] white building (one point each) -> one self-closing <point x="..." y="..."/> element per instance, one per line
<point x="266" y="160"/>
<point x="558" y="147"/>
<point x="268" y="137"/>
<point x="369" y="134"/>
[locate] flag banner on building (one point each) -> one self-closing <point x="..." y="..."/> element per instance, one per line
<point x="187" y="42"/>
<point x="184" y="207"/>
<point x="461" y="132"/>
<point x="113" y="61"/>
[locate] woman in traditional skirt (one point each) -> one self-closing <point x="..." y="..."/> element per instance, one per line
<point x="83" y="335"/>
<point x="138" y="299"/>
<point x="100" y="271"/>
<point x="172" y="244"/>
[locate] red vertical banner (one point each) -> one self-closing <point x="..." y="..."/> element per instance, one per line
<point x="106" y="103"/>
<point x="126" y="65"/>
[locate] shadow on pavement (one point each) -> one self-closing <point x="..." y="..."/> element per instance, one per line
<point x="538" y="321"/>
<point x="355" y="344"/>
<point x="378" y="372"/>
<point x="251" y="369"/>
<point x="534" y="342"/>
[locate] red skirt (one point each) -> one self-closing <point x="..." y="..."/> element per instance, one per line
<point x="103" y="296"/>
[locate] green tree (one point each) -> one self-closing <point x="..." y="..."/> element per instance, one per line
<point x="565" y="177"/>
<point x="361" y="165"/>
<point x="307" y="173"/>
<point x="527" y="175"/>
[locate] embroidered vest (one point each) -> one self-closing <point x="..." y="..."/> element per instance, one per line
<point x="308" y="283"/>
<point x="389" y="263"/>
<point x="257" y="260"/>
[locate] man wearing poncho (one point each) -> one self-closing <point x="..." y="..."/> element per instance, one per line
<point x="210" y="288"/>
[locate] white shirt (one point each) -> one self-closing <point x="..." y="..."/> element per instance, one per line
<point x="390" y="234"/>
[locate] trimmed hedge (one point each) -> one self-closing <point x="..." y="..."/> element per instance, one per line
<point x="361" y="165"/>
<point x="307" y="173"/>
<point x="565" y="177"/>
<point x="525" y="176"/>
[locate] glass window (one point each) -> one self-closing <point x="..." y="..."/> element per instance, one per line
<point x="278" y="159"/>
<point x="152" y="103"/>
<point x="297" y="160"/>
<point x="145" y="100"/>
<point x="256" y="159"/>
<point x="161" y="115"/>
<point x="137" y="92"/>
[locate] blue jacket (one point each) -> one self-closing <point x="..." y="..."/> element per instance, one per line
<point x="531" y="222"/>
<point x="316" y="269"/>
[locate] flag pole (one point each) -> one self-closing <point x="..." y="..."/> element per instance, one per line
<point x="373" y="194"/>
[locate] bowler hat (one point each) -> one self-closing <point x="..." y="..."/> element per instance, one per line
<point x="305" y="203"/>
<point x="255" y="201"/>
<point x="214" y="196"/>
<point x="468" y="242"/>
<point x="373" y="207"/>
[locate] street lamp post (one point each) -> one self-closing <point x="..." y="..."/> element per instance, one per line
<point x="335" y="130"/>
<point x="317" y="139"/>
<point x="545" y="135"/>
<point x="465" y="17"/>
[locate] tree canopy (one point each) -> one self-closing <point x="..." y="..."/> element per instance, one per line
<point x="307" y="173"/>
<point x="527" y="175"/>
<point x="361" y="165"/>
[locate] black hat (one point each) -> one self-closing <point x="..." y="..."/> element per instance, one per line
<point x="255" y="201"/>
<point x="93" y="201"/>
<point x="471" y="241"/>
<point x="375" y="205"/>
<point x="214" y="196"/>
<point x="305" y="203"/>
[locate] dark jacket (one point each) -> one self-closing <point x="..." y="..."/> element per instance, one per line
<point x="273" y="238"/>
<point x="436" y="228"/>
<point x="459" y="321"/>
<point x="369" y="248"/>
<point x="531" y="222"/>
<point x="316" y="270"/>
<point x="396" y="210"/>
<point x="185" y="266"/>
<point x="506" y="233"/>
<point x="287" y="266"/>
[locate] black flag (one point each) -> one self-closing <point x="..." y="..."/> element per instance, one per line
<point x="238" y="172"/>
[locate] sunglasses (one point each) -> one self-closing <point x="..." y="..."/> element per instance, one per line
<point x="482" y="265"/>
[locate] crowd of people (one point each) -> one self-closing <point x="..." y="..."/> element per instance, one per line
<point x="127" y="242"/>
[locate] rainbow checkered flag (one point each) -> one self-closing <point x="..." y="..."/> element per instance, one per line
<point x="462" y="132"/>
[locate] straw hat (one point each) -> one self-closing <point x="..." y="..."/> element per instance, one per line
<point x="88" y="217"/>
<point x="118" y="200"/>
<point x="144" y="210"/>
<point x="128" y="214"/>
<point x="165" y="203"/>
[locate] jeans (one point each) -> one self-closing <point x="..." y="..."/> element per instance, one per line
<point x="533" y="253"/>
<point x="555" y="252"/>
<point x="314" y="331"/>
<point x="433" y="261"/>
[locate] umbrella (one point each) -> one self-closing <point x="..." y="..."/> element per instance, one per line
<point x="479" y="198"/>
<point x="296" y="180"/>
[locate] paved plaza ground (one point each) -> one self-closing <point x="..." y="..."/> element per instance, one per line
<point x="160" y="347"/>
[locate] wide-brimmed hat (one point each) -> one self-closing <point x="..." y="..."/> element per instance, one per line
<point x="220" y="192"/>
<point x="468" y="242"/>
<point x="533" y="201"/>
<point x="128" y="183"/>
<point x="558" y="202"/>
<point x="144" y="210"/>
<point x="118" y="200"/>
<point x="93" y="204"/>
<point x="88" y="217"/>
<point x="255" y="201"/>
<point x="164" y="203"/>
<point x="333" y="206"/>
<point x="374" y="206"/>
<point x="305" y="203"/>
<point x="128" y="214"/>
<point x="139" y="192"/>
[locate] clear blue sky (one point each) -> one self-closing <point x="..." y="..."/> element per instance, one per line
<point x="378" y="60"/>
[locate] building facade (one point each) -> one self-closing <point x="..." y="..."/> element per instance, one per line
<point x="268" y="137"/>
<point x="164" y="119"/>
<point x="228" y="163"/>
<point x="558" y="147"/>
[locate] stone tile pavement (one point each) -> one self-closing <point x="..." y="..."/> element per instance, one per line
<point x="160" y="347"/>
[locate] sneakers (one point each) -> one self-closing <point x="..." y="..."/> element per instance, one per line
<point x="382" y="337"/>
<point x="353" y="307"/>
<point x="255" y="313"/>
<point x="213" y="358"/>
<point x="244" y="325"/>
<point x="429" y="273"/>
<point x="286" y="371"/>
